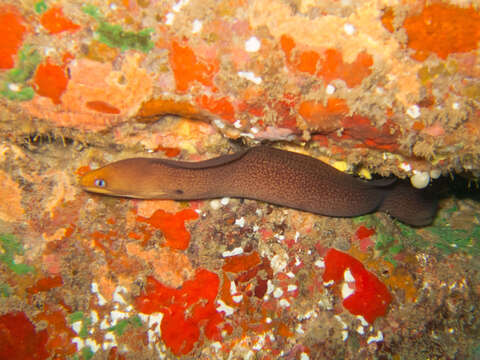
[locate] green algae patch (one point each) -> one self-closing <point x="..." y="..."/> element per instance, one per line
<point x="122" y="325"/>
<point x="387" y="242"/>
<point x="389" y="245"/>
<point x="93" y="11"/>
<point x="40" y="7"/>
<point x="76" y="316"/>
<point x="5" y="290"/>
<point x="28" y="60"/>
<point x="368" y="219"/>
<point x="9" y="248"/>
<point x="85" y="320"/>
<point x="115" y="36"/>
<point x="87" y="353"/>
<point x="441" y="235"/>
<point x="13" y="92"/>
<point x="15" y="86"/>
<point x="451" y="240"/>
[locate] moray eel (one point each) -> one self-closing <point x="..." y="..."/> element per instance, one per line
<point x="263" y="173"/>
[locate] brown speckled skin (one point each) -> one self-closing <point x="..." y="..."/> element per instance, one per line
<point x="299" y="181"/>
<point x="262" y="173"/>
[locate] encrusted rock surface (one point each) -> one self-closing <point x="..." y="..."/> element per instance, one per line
<point x="381" y="87"/>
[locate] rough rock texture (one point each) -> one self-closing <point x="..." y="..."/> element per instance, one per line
<point x="377" y="83"/>
<point x="383" y="87"/>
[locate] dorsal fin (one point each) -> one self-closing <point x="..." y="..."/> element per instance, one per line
<point x="210" y="163"/>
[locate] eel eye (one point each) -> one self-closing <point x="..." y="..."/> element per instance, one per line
<point x="100" y="183"/>
<point x="179" y="191"/>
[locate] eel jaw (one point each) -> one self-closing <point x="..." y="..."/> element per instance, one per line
<point x="96" y="190"/>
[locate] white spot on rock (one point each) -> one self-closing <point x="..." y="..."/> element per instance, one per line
<point x="252" y="44"/>
<point x="270" y="287"/>
<point x="349" y="29"/>
<point x="237" y="298"/>
<point x="77" y="326"/>
<point x="320" y="264"/>
<point x="240" y="222"/>
<point x="362" y="320"/>
<point x="13" y="87"/>
<point x="169" y="17"/>
<point x="215" y="204"/>
<point x="92" y="344"/>
<point x="219" y="123"/>
<point x="328" y="283"/>
<point x="222" y="307"/>
<point x="260" y="343"/>
<point x="330" y="89"/>
<point x="413" y="111"/>
<point x="79" y="342"/>
<point x="233" y="288"/>
<point x="94" y="316"/>
<point x="278" y="292"/>
<point x="179" y="5"/>
<point x="101" y="299"/>
<point x="109" y="341"/>
<point x="234" y="252"/>
<point x="118" y="315"/>
<point x="196" y="26"/>
<point x="297" y="261"/>
<point x="292" y="287"/>
<point x="250" y="76"/>
<point x="117" y="297"/>
<point x="339" y="319"/>
<point x="104" y="324"/>
<point x="405" y="166"/>
<point x="304" y="356"/>
<point x="346" y="290"/>
<point x="279" y="262"/>
<point x="279" y="237"/>
<point x="347" y="276"/>
<point x="376" y="338"/>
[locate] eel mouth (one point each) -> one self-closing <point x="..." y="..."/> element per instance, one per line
<point x="96" y="190"/>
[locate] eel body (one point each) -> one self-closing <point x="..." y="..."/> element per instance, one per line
<point x="267" y="174"/>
